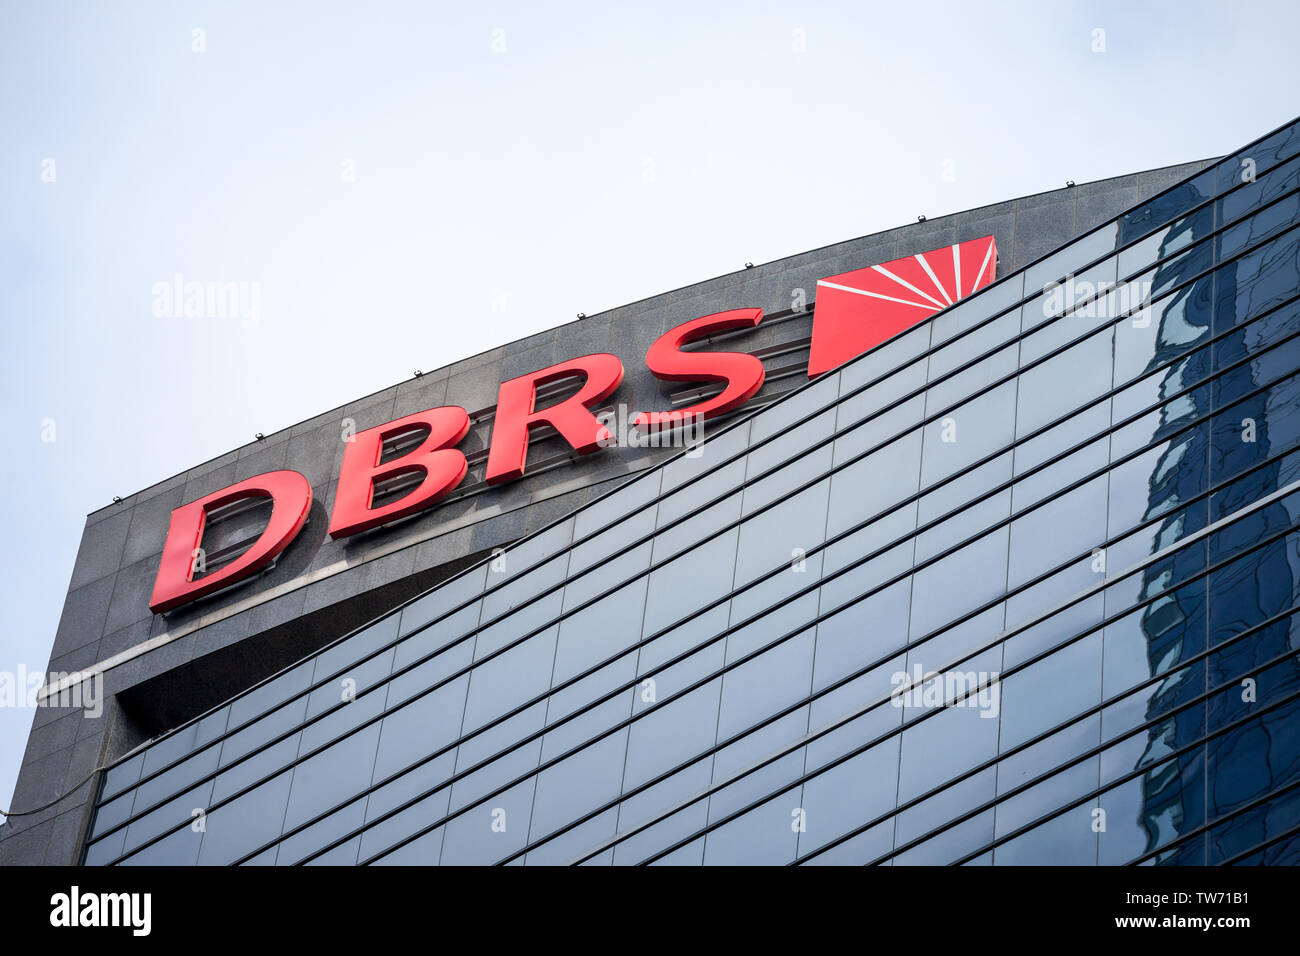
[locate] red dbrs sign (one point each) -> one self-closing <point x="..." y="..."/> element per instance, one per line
<point x="855" y="311"/>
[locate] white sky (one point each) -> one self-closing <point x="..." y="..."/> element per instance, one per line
<point x="523" y="171"/>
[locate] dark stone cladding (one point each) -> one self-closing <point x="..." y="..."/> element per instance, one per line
<point x="320" y="589"/>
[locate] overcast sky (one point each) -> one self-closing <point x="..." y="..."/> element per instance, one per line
<point x="385" y="171"/>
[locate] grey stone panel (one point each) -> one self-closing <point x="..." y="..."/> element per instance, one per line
<point x="100" y="552"/>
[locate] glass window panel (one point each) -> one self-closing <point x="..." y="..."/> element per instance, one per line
<point x="687" y="583"/>
<point x="969" y="504"/>
<point x="695" y="632"/>
<point x="955" y="681"/>
<point x="1265" y="154"/>
<point x="943" y="745"/>
<point x="185" y="741"/>
<point x="1270" y="221"/>
<point x="737" y="762"/>
<point x="573" y="843"/>
<point x="420" y="728"/>
<point x="762" y="837"/>
<point x="246" y="823"/>
<point x="856" y="851"/>
<point x="766" y="684"/>
<point x="536" y="597"/>
<point x="497" y="757"/>
<point x="102" y="852"/>
<point x="945" y="806"/>
<point x="1066" y="312"/>
<point x="425" y="850"/>
<point x="1067" y="839"/>
<point x="1071" y="259"/>
<point x="972" y="310"/>
<point x="1153" y="809"/>
<point x="778" y="621"/>
<point x="870" y="486"/>
<point x="1245" y="830"/>
<point x="783" y="535"/>
<point x="1063" y="383"/>
<point x="265" y="697"/>
<point x="490" y="831"/>
<point x="862" y="633"/>
<point x="569" y="789"/>
<point x="979" y="428"/>
<point x="177" y="778"/>
<point x="1159" y="332"/>
<point x="662" y="797"/>
<point x="634" y="499"/>
<point x="388" y="820"/>
<point x="781" y="419"/>
<point x="176" y="849"/>
<point x="261" y="732"/>
<point x="177" y="813"/>
<point x="255" y="767"/>
<point x="311" y="840"/>
<point x="121" y="775"/>
<point x="677" y="729"/>
<point x="1051" y="691"/>
<point x="944" y="393"/>
<point x="885" y="359"/>
<point x="359" y="656"/>
<point x="455" y="632"/>
<point x="355" y="682"/>
<point x="600" y="630"/>
<point x="1155" y="638"/>
<point x="805" y="470"/>
<point x="964" y="580"/>
<point x="443" y="599"/>
<point x="1064" y="529"/>
<point x="1165" y="206"/>
<point x="617" y="537"/>
<point x="1164" y="242"/>
<point x="856" y="570"/>
<point x="517" y="675"/>
<point x="1051" y="631"/>
<point x="880" y="411"/>
<point x="1050" y="478"/>
<point x="1265" y="188"/>
<point x="716" y="449"/>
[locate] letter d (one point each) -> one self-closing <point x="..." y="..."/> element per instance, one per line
<point x="175" y="585"/>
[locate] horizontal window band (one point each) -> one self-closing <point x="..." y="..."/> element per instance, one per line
<point x="1286" y="834"/>
<point x="911" y="802"/>
<point x="596" y="667"/>
<point x="672" y="662"/>
<point x="1086" y="755"/>
<point x="984" y="646"/>
<point x="1132" y="774"/>
<point x="544" y="765"/>
<point x="965" y="775"/>
<point x="848" y="463"/>
<point x="1219" y="821"/>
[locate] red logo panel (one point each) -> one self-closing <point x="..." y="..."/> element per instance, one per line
<point x="856" y="311"/>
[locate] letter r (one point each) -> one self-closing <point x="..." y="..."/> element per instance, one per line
<point x="517" y="412"/>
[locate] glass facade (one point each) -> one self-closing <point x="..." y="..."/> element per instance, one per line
<point x="1017" y="586"/>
